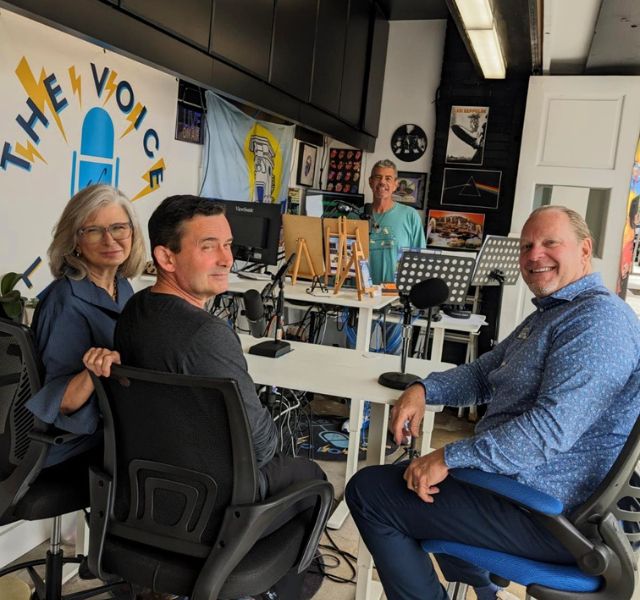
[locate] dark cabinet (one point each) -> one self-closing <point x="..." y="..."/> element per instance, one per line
<point x="241" y="33"/>
<point x="188" y="19"/>
<point x="377" y="61"/>
<point x="294" y="33"/>
<point x="331" y="33"/>
<point x="355" y="71"/>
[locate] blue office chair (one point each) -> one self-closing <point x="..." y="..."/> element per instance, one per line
<point x="602" y="534"/>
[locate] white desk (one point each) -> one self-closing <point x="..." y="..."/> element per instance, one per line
<point x="345" y="372"/>
<point x="344" y="297"/>
<point x="471" y="326"/>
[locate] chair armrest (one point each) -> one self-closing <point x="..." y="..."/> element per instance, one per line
<point x="101" y="493"/>
<point x="592" y="558"/>
<point x="244" y="525"/>
<point x="52" y="436"/>
<point x="509" y="488"/>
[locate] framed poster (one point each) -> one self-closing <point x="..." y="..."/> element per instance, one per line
<point x="306" y="164"/>
<point x="411" y="188"/>
<point x="344" y="170"/>
<point x="471" y="187"/>
<point x="467" y="132"/>
<point x="454" y="230"/>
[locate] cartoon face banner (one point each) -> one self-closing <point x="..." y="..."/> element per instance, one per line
<point x="247" y="159"/>
<point x="73" y="115"/>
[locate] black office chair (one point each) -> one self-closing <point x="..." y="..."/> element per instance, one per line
<point x="603" y="535"/>
<point x="26" y="490"/>
<point x="175" y="508"/>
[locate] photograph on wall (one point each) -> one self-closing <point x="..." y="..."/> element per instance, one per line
<point x="344" y="170"/>
<point x="473" y="188"/>
<point x="411" y="188"/>
<point x="467" y="132"/>
<point x="306" y="164"/>
<point x="454" y="230"/>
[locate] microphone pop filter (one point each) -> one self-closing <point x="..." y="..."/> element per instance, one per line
<point x="429" y="293"/>
<point x="253" y="306"/>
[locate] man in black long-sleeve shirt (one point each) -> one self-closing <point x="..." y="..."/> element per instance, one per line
<point x="165" y="327"/>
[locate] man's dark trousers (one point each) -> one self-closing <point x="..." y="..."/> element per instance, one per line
<point x="392" y="520"/>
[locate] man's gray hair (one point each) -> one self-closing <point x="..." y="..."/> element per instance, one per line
<point x="578" y="224"/>
<point x="385" y="163"/>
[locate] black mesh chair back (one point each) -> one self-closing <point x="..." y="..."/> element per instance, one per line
<point x="175" y="463"/>
<point x="27" y="491"/>
<point x="603" y="533"/>
<point x="174" y="508"/>
<point x="20" y="377"/>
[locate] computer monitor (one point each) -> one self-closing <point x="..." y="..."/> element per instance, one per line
<point x="256" y="230"/>
<point x="321" y="203"/>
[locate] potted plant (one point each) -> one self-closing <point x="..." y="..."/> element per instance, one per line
<point x="11" y="301"/>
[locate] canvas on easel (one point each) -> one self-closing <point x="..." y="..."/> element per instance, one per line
<point x="334" y="255"/>
<point x="303" y="235"/>
<point x="350" y="258"/>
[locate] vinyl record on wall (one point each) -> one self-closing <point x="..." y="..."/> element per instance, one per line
<point x="409" y="142"/>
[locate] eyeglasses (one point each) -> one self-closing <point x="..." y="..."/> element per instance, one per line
<point x="95" y="233"/>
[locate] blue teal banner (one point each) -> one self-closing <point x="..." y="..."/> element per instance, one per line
<point x="244" y="158"/>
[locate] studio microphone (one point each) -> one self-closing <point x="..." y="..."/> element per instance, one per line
<point x="424" y="294"/>
<point x="429" y="293"/>
<point x="282" y="271"/>
<point x="254" y="311"/>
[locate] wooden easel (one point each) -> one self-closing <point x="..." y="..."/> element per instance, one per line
<point x="347" y="261"/>
<point x="302" y="250"/>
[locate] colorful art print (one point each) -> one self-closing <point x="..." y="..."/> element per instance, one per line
<point x="467" y="134"/>
<point x="306" y="164"/>
<point x="631" y="226"/>
<point x="411" y="188"/>
<point x="344" y="170"/>
<point x="472" y="188"/>
<point x="454" y="230"/>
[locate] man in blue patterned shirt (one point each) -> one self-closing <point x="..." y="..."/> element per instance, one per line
<point x="562" y="394"/>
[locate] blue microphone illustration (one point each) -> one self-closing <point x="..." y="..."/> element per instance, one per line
<point x="95" y="162"/>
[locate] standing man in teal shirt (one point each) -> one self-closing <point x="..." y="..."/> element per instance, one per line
<point x="394" y="226"/>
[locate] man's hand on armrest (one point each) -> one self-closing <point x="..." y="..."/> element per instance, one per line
<point x="99" y="361"/>
<point x="409" y="408"/>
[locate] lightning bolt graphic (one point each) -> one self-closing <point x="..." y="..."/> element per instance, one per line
<point x="37" y="91"/>
<point x="76" y="83"/>
<point x="151" y="186"/>
<point x="139" y="111"/>
<point x="110" y="85"/>
<point x="29" y="153"/>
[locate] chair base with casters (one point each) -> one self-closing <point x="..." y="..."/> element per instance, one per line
<point x="605" y="565"/>
<point x="57" y="490"/>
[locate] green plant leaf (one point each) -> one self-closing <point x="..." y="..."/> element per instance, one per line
<point x="8" y="282"/>
<point x="12" y="304"/>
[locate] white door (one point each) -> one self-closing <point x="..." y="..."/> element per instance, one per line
<point x="578" y="145"/>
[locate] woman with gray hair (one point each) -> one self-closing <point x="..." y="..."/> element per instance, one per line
<point x="97" y="244"/>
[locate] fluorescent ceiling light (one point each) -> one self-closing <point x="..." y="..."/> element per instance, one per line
<point x="487" y="49"/>
<point x="476" y="14"/>
<point x="477" y="20"/>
